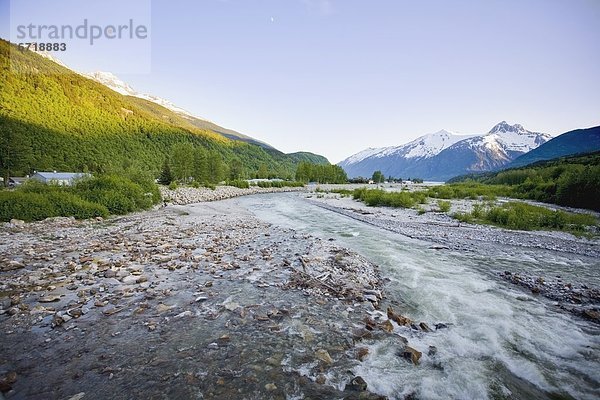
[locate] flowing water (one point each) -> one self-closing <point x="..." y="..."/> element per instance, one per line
<point x="501" y="341"/>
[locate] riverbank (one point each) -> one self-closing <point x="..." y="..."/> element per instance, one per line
<point x="576" y="294"/>
<point x="202" y="300"/>
<point x="190" y="195"/>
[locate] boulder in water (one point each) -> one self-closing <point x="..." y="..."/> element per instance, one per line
<point x="411" y="354"/>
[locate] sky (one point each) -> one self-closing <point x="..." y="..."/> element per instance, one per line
<point x="337" y="76"/>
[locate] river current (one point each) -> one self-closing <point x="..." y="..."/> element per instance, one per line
<point x="501" y="341"/>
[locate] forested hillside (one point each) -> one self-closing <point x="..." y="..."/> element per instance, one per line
<point x="54" y="119"/>
<point x="568" y="181"/>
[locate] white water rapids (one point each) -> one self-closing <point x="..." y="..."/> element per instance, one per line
<point x="501" y="341"/>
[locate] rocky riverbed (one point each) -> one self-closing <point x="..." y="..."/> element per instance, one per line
<point x="576" y="293"/>
<point x="189" y="195"/>
<point x="202" y="301"/>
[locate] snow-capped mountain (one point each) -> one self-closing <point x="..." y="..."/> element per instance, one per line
<point x="111" y="81"/>
<point x="442" y="155"/>
<point x="515" y="137"/>
<point x="422" y="147"/>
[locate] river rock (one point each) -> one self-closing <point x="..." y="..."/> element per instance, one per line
<point x="49" y="298"/>
<point x="324" y="356"/>
<point x="110" y="273"/>
<point x="7" y="381"/>
<point x="370" y="323"/>
<point x="387" y="326"/>
<point x="357" y="384"/>
<point x="397" y="318"/>
<point x="12" y="265"/>
<point x="424" y="327"/>
<point x="270" y="387"/>
<point x="161" y="308"/>
<point x="184" y="314"/>
<point x="5" y="303"/>
<point x="411" y="354"/>
<point x="362" y="353"/>
<point x="592" y="314"/>
<point x="17" y="223"/>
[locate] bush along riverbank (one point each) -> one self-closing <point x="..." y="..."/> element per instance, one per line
<point x="484" y="207"/>
<point x="99" y="196"/>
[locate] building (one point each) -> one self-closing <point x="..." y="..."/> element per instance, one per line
<point x="59" y="178"/>
<point x="16" y="180"/>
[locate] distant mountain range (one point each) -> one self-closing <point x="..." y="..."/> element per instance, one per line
<point x="443" y="155"/>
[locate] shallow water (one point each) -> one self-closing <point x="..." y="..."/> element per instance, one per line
<point x="502" y="342"/>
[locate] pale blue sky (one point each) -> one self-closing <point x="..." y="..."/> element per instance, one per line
<point x="336" y="76"/>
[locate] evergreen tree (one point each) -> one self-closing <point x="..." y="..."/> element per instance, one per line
<point x="378" y="177"/>
<point x="15" y="154"/>
<point x="216" y="167"/>
<point x="201" y="173"/>
<point x="182" y="160"/>
<point x="236" y="169"/>
<point x="166" y="177"/>
<point x="263" y="171"/>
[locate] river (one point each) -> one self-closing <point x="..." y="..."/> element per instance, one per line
<point x="501" y="342"/>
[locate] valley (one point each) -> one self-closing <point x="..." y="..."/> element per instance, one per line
<point x="176" y="223"/>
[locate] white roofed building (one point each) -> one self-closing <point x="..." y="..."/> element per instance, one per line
<point x="59" y="178"/>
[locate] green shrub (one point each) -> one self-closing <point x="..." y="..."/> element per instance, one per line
<point x="119" y="194"/>
<point x="173" y="185"/>
<point x="463" y="217"/>
<point x="378" y="197"/>
<point x="293" y="184"/>
<point x="146" y="182"/>
<point x="26" y="206"/>
<point x="67" y="204"/>
<point x="444" y="206"/>
<point x="522" y="216"/>
<point x="478" y="210"/>
<point x="239" y="183"/>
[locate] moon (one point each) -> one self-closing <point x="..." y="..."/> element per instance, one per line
<point x="272" y="19"/>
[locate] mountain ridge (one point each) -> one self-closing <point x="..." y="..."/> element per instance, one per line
<point x="578" y="141"/>
<point x="60" y="120"/>
<point x="443" y="154"/>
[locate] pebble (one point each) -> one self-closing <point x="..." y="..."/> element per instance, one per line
<point x="324" y="356"/>
<point x="49" y="299"/>
<point x="184" y="314"/>
<point x="270" y="387"/>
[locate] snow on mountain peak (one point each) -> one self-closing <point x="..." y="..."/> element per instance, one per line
<point x="431" y="144"/>
<point x="422" y="147"/>
<point x="111" y="81"/>
<point x="504" y="127"/>
<point x="514" y="138"/>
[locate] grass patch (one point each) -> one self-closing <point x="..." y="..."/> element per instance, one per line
<point x="444" y="206"/>
<point x="470" y="190"/>
<point x="378" y="197"/>
<point x="527" y="217"/>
